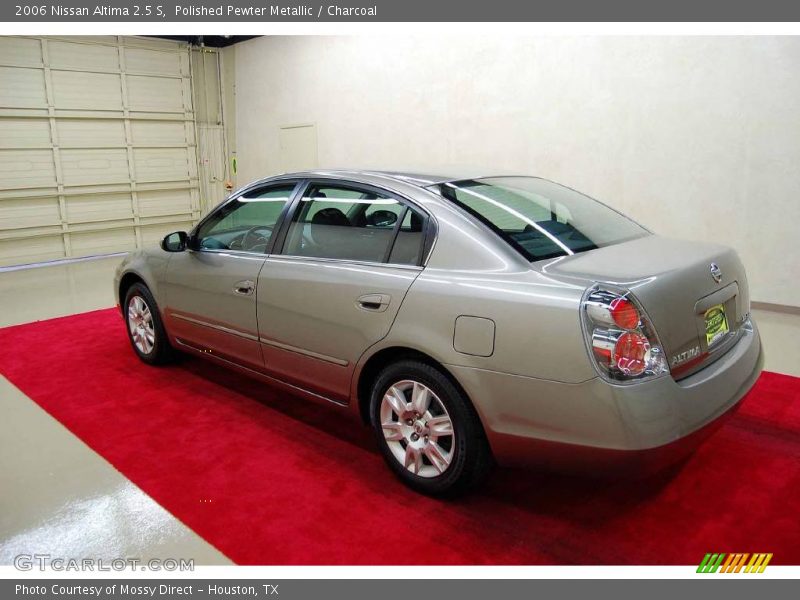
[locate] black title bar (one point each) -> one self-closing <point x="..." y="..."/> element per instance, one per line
<point x="150" y="11"/>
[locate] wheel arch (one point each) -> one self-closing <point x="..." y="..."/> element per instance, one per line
<point x="125" y="283"/>
<point x="380" y="359"/>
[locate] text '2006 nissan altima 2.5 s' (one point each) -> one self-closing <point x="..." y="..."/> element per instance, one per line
<point x="467" y="321"/>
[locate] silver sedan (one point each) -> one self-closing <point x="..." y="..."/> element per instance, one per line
<point x="467" y="321"/>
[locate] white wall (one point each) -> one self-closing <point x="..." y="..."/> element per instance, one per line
<point x="695" y="137"/>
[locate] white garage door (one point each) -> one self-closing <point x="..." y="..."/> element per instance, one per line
<point x="97" y="146"/>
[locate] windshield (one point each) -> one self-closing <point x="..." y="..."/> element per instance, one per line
<point x="541" y="219"/>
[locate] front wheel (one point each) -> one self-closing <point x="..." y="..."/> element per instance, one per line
<point x="145" y="329"/>
<point x="427" y="430"/>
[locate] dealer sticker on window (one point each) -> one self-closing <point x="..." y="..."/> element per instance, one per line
<point x="716" y="324"/>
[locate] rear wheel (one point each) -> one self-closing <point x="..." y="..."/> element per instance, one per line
<point x="428" y="431"/>
<point x="145" y="329"/>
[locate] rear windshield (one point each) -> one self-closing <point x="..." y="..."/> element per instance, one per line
<point x="541" y="219"/>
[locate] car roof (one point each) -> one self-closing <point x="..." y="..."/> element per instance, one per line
<point x="416" y="179"/>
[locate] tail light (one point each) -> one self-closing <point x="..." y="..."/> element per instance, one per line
<point x="622" y="341"/>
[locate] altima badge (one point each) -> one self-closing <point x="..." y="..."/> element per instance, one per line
<point x="716" y="272"/>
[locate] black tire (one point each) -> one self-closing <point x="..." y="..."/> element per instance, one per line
<point x="471" y="458"/>
<point x="161" y="352"/>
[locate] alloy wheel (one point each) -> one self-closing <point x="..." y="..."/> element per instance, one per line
<point x="417" y="428"/>
<point x="140" y="324"/>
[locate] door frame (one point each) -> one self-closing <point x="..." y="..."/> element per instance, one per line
<point x="293" y="207"/>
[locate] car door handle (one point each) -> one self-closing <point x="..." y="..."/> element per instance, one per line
<point x="374" y="302"/>
<point x="244" y="288"/>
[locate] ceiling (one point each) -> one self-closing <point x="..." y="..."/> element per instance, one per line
<point x="214" y="41"/>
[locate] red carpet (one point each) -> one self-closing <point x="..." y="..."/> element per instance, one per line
<point x="268" y="479"/>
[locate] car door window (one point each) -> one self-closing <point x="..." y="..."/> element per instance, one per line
<point x="348" y="223"/>
<point x="247" y="222"/>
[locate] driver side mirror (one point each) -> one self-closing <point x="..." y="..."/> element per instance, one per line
<point x="175" y="242"/>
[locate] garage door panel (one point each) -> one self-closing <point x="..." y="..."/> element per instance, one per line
<point x="155" y="94"/>
<point x="87" y="167"/>
<point x="69" y="90"/>
<point x="88" y="208"/>
<point x="24" y="133"/>
<point x="91" y="133"/>
<point x="21" y="252"/>
<point x="153" y="234"/>
<point x="83" y="56"/>
<point x="161" y="164"/>
<point x="158" y="133"/>
<point x="27" y="168"/>
<point x="18" y="213"/>
<point x="165" y="202"/>
<point x="22" y="88"/>
<point x="103" y="242"/>
<point x="97" y="149"/>
<point x="20" y="51"/>
<point x="157" y="62"/>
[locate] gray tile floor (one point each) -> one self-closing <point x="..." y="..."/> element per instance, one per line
<point x="58" y="496"/>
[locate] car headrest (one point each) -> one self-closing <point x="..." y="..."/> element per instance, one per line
<point x="330" y="216"/>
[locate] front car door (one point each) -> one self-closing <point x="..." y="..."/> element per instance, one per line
<point x="347" y="258"/>
<point x="210" y="289"/>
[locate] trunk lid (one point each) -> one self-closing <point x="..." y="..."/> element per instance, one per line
<point x="689" y="308"/>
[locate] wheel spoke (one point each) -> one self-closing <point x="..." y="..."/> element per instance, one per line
<point x="413" y="459"/>
<point x="397" y="401"/>
<point x="392" y="431"/>
<point x="420" y="398"/>
<point x="438" y="459"/>
<point x="440" y="426"/>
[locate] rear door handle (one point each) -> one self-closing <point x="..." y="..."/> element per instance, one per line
<point x="374" y="302"/>
<point x="244" y="288"/>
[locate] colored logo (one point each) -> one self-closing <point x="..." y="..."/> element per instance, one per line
<point x="734" y="563"/>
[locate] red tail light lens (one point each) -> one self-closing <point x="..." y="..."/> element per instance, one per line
<point x="622" y="341"/>
<point x="631" y="353"/>
<point x="624" y="313"/>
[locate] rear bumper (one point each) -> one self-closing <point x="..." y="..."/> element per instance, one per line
<point x="596" y="424"/>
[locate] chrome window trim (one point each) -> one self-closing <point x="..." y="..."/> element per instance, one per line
<point x="365" y="263"/>
<point x="233" y="253"/>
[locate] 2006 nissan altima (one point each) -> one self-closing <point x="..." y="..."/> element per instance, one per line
<point x="467" y="321"/>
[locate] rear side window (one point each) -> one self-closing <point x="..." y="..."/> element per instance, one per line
<point x="352" y="224"/>
<point x="539" y="218"/>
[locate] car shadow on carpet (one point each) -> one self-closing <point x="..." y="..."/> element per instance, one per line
<point x="586" y="497"/>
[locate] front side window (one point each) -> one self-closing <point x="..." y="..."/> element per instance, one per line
<point x="245" y="223"/>
<point x="541" y="219"/>
<point x="348" y="223"/>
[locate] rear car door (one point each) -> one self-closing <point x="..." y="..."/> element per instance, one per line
<point x="210" y="289"/>
<point x="348" y="255"/>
